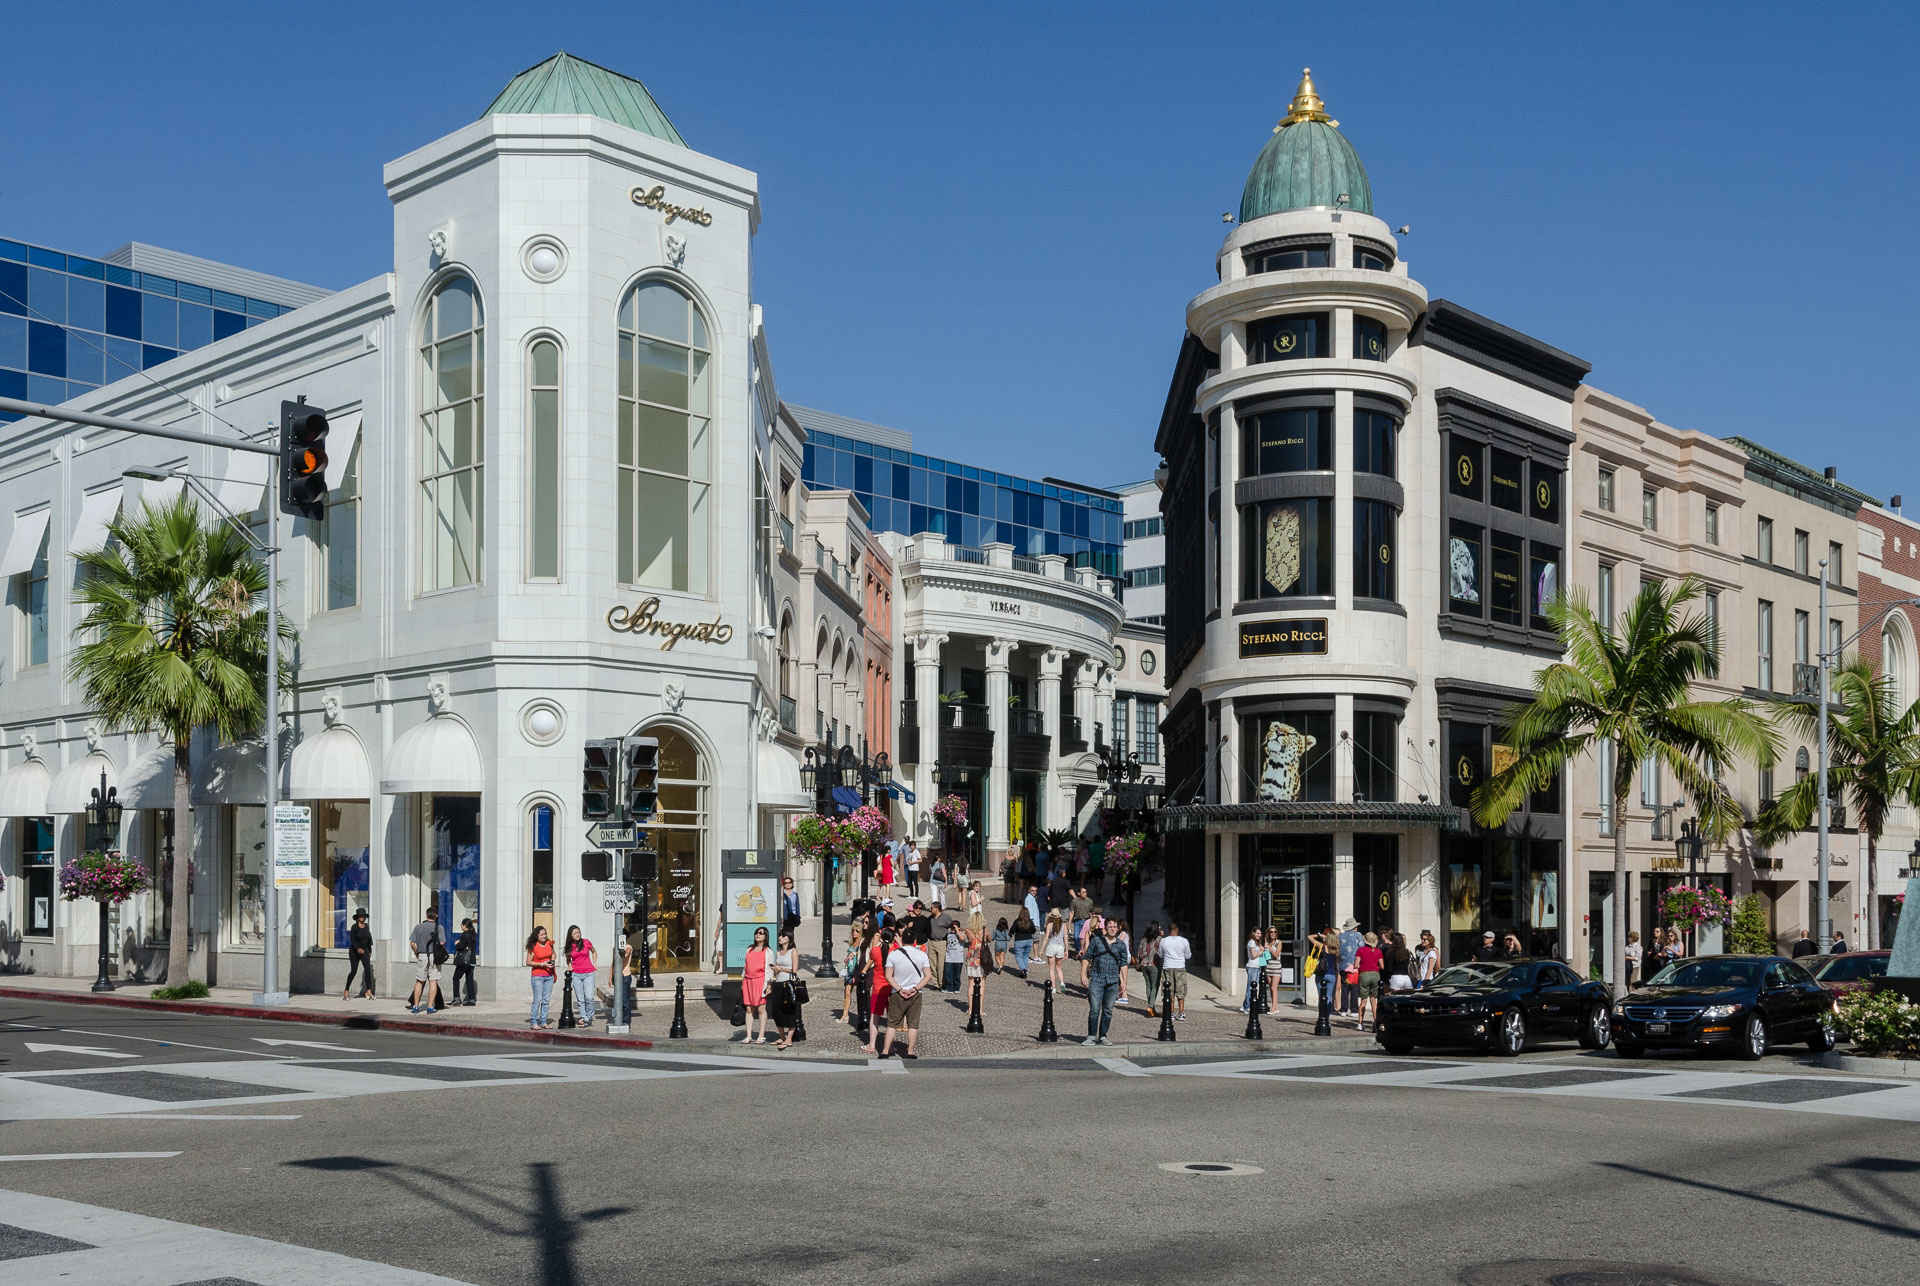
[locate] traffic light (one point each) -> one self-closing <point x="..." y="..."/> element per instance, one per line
<point x="303" y="460"/>
<point x="596" y="867"/>
<point x="643" y="774"/>
<point x="643" y="866"/>
<point x="597" y="778"/>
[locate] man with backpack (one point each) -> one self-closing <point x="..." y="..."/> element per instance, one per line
<point x="1102" y="961"/>
<point x="429" y="953"/>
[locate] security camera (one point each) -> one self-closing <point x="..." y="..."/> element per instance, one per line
<point x="1404" y="229"/>
<point x="765" y="632"/>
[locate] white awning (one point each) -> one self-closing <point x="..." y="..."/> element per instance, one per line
<point x="780" y="788"/>
<point x="332" y="765"/>
<point x="342" y="435"/>
<point x="73" y="789"/>
<point x="149" y="780"/>
<point x="233" y="774"/>
<point x="24" y="546"/>
<point x="23" y="790"/>
<point x="437" y="757"/>
<point x="96" y="511"/>
<point x="158" y="494"/>
<point x="246" y="481"/>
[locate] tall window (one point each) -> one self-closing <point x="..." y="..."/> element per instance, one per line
<point x="1120" y="725"/>
<point x="1763" y="540"/>
<point x="452" y="436"/>
<point x="1650" y="782"/>
<point x="665" y="412"/>
<point x="1605" y="597"/>
<point x="1149" y="721"/>
<point x="339" y="545"/>
<point x="1833" y="563"/>
<point x="1893" y="666"/>
<point x="1764" y="632"/>
<point x="1373" y="442"/>
<point x="246" y="875"/>
<point x="1800" y="552"/>
<point x="36" y="862"/>
<point x="1650" y="509"/>
<point x="343" y="870"/>
<point x="543" y="460"/>
<point x="1373" y="549"/>
<point x="540" y="869"/>
<point x="1713" y="616"/>
<point x="1834" y="635"/>
<point x="1713" y="524"/>
<point x="1604" y="762"/>
<point x="33" y="610"/>
<point x="678" y="902"/>
<point x="1286" y="549"/>
<point x="1604" y="494"/>
<point x="1801" y="633"/>
<point x="1280" y="339"/>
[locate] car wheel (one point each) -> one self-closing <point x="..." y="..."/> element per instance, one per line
<point x="1596" y="1030"/>
<point x="1753" y="1038"/>
<point x="1398" y="1048"/>
<point x="1629" y="1051"/>
<point x="1822" y="1039"/>
<point x="1511" y="1037"/>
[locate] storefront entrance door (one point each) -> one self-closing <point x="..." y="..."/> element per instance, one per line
<point x="1283" y="909"/>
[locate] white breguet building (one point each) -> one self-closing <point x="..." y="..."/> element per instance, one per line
<point x="549" y="521"/>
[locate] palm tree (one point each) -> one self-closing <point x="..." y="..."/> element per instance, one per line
<point x="1873" y="762"/>
<point x="1631" y="687"/>
<point x="176" y="639"/>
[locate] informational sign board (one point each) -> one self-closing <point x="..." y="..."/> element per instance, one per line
<point x="752" y="899"/>
<point x="292" y="846"/>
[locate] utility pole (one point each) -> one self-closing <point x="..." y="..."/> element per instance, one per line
<point x="1825" y="914"/>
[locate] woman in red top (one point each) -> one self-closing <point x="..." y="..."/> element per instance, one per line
<point x="753" y="985"/>
<point x="1369" y="962"/>
<point x="540" y="962"/>
<point x="879" y="990"/>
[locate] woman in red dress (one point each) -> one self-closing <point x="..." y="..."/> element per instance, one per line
<point x="880" y="990"/>
<point x="753" y="985"/>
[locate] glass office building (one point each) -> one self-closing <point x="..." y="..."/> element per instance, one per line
<point x="909" y="493"/>
<point x="69" y="324"/>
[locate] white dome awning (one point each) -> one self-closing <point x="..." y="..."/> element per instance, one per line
<point x="233" y="774"/>
<point x="73" y="789"/>
<point x="437" y="757"/>
<point x="332" y="765"/>
<point x="23" y="789"/>
<point x="149" y="780"/>
<point x="779" y="774"/>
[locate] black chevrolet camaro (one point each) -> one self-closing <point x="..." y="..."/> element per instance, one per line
<point x="1499" y="1006"/>
<point x="1742" y="1003"/>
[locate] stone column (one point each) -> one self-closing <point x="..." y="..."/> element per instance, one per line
<point x="1086" y="696"/>
<point x="1053" y="811"/>
<point x="998" y="807"/>
<point x="926" y="696"/>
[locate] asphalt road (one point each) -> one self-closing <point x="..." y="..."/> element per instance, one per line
<point x="567" y="1170"/>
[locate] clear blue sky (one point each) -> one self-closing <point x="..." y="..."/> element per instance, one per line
<point x="982" y="223"/>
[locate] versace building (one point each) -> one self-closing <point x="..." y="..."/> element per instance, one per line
<point x="1364" y="523"/>
<point x="550" y="519"/>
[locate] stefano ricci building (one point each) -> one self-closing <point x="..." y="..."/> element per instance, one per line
<point x="549" y="520"/>
<point x="1364" y="518"/>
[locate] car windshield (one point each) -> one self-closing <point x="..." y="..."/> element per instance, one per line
<point x="1852" y="968"/>
<point x="1708" y="973"/>
<point x="1474" y="975"/>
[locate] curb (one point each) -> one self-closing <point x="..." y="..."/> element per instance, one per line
<point x="1905" y="1068"/>
<point x="351" y="1022"/>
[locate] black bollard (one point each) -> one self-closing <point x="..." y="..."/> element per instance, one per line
<point x="799" y="1013"/>
<point x="567" y="1020"/>
<point x="679" y="1029"/>
<point x="975" y="1027"/>
<point x="1047" y="1034"/>
<point x="1323" y="1024"/>
<point x="1254" y="1009"/>
<point x="1166" y="1015"/>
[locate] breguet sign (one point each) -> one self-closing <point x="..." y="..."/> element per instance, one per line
<point x="642" y="620"/>
<point x="655" y="198"/>
<point x="1283" y="638"/>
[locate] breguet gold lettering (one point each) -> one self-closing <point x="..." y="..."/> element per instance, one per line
<point x="641" y="620"/>
<point x="655" y="198"/>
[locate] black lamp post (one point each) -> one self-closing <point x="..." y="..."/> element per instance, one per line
<point x="1688" y="846"/>
<point x="103" y="827"/>
<point x="943" y="779"/>
<point x="810" y="781"/>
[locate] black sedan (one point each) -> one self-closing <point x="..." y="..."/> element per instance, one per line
<point x="1499" y="1006"/>
<point x="1742" y="1003"/>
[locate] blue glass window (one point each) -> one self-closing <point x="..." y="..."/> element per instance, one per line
<point x="85" y="361"/>
<point x="46" y="259"/>
<point x="13" y="250"/>
<point x="46" y="349"/>
<point x="195" y="294"/>
<point x="13" y="288"/>
<point x="13" y="341"/>
<point x="159" y="320"/>
<point x="158" y="285"/>
<point x="123" y="312"/>
<point x="259" y="308"/>
<point x="86" y="304"/>
<point x="86" y="267"/>
<point x="123" y="358"/>
<point x="122" y="276"/>
<point x="12" y="384"/>
<point x="863" y="474"/>
<point x="196" y="325"/>
<point x="232" y="303"/>
<point x="45" y="388"/>
<point x="47" y="294"/>
<point x="153" y="355"/>
<point x="225" y="324"/>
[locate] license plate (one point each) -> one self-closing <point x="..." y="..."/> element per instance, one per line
<point x="1656" y="1029"/>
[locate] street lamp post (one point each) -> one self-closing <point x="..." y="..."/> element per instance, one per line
<point x="810" y="781"/>
<point x="103" y="819"/>
<point x="1687" y="845"/>
<point x="944" y="777"/>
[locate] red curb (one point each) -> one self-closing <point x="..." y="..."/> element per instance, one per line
<point x="352" y="1022"/>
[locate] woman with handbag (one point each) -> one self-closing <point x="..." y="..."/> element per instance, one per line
<point x="466" y="954"/>
<point x="850" y="972"/>
<point x="583" y="963"/>
<point x="1148" y="962"/>
<point x="1256" y="966"/>
<point x="784" y="991"/>
<point x="539" y="960"/>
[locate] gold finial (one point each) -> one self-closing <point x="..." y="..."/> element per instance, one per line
<point x="1306" y="105"/>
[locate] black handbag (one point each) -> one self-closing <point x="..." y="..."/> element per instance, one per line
<point x="799" y="991"/>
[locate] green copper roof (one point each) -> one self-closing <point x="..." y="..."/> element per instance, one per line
<point x="1308" y="162"/>
<point x="567" y="86"/>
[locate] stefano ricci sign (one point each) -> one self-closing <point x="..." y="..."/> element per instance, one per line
<point x="655" y="198"/>
<point x="1283" y="638"/>
<point x="644" y="619"/>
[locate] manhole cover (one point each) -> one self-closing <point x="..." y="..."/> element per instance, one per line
<point x="1210" y="1167"/>
<point x="1597" y="1272"/>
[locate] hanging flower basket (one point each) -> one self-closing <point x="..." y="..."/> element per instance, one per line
<point x="105" y="877"/>
<point x="872" y="822"/>
<point x="949" y="810"/>
<point x="1688" y="905"/>
<point x="1125" y="854"/>
<point x="813" y="838"/>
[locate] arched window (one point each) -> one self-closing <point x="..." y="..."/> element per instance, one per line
<point x="1897" y="664"/>
<point x="786" y="656"/>
<point x="680" y="836"/>
<point x="665" y="414"/>
<point x="452" y="436"/>
<point x="543" y="460"/>
<point x="540" y="865"/>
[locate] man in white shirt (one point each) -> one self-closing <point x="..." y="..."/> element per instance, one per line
<point x="1174" y="952"/>
<point x="907" y="974"/>
<point x="910" y="857"/>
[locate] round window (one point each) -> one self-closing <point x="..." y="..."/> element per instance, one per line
<point x="1146" y="662"/>
<point x="1119" y="656"/>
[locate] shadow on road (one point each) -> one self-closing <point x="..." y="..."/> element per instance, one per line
<point x="1859" y="1182"/>
<point x="543" y="1220"/>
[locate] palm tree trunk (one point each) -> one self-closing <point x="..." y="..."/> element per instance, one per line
<point x="1618" y="947"/>
<point x="179" y="922"/>
<point x="1873" y="895"/>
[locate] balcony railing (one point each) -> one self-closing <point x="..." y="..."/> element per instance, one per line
<point x="907" y="747"/>
<point x="789" y="715"/>
<point x="1022" y="563"/>
<point x="967" y="554"/>
<point x="786" y="533"/>
<point x="837" y="572"/>
<point x="1070" y="735"/>
<point x="1032" y="722"/>
<point x="963" y="714"/>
